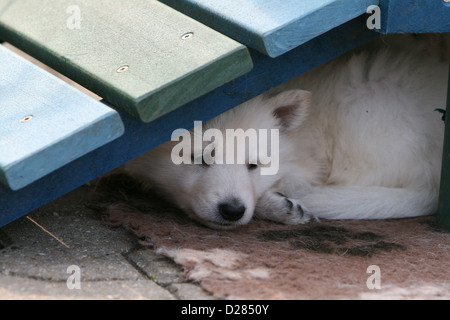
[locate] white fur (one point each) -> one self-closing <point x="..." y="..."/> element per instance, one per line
<point x="368" y="145"/>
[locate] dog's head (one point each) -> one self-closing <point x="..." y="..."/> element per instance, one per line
<point x="217" y="171"/>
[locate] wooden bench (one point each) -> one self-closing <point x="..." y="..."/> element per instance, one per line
<point x="161" y="70"/>
<point x="146" y="59"/>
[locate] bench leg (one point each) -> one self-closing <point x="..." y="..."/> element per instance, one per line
<point x="444" y="195"/>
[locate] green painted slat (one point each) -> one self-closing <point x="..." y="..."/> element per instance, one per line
<point x="444" y="195"/>
<point x="165" y="69"/>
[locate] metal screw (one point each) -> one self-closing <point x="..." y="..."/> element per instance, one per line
<point x="26" y="119"/>
<point x="123" y="69"/>
<point x="187" y="36"/>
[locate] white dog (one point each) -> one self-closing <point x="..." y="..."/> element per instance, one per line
<point x="366" y="144"/>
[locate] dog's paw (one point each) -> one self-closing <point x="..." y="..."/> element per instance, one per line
<point x="293" y="212"/>
<point x="277" y="207"/>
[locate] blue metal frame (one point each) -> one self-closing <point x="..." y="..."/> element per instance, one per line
<point x="414" y="16"/>
<point x="140" y="137"/>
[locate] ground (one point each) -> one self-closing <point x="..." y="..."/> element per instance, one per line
<point x="134" y="246"/>
<point x="33" y="264"/>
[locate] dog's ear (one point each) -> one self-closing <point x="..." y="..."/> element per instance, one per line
<point x="291" y="108"/>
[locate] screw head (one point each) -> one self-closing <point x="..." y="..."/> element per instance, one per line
<point x="123" y="69"/>
<point x="26" y="119"/>
<point x="187" y="36"/>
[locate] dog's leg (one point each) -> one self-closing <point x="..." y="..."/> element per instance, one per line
<point x="275" y="206"/>
<point x="353" y="202"/>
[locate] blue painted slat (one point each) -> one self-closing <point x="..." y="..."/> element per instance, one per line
<point x="63" y="123"/>
<point x="272" y="26"/>
<point x="140" y="137"/>
<point x="415" y="16"/>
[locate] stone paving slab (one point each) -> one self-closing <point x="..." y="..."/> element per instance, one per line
<point x="112" y="265"/>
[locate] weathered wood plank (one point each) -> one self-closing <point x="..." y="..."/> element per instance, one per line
<point x="272" y="26"/>
<point x="45" y="123"/>
<point x="90" y="41"/>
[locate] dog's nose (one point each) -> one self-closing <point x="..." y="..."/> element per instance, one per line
<point x="232" y="211"/>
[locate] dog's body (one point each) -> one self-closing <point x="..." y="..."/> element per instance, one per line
<point x="367" y="145"/>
